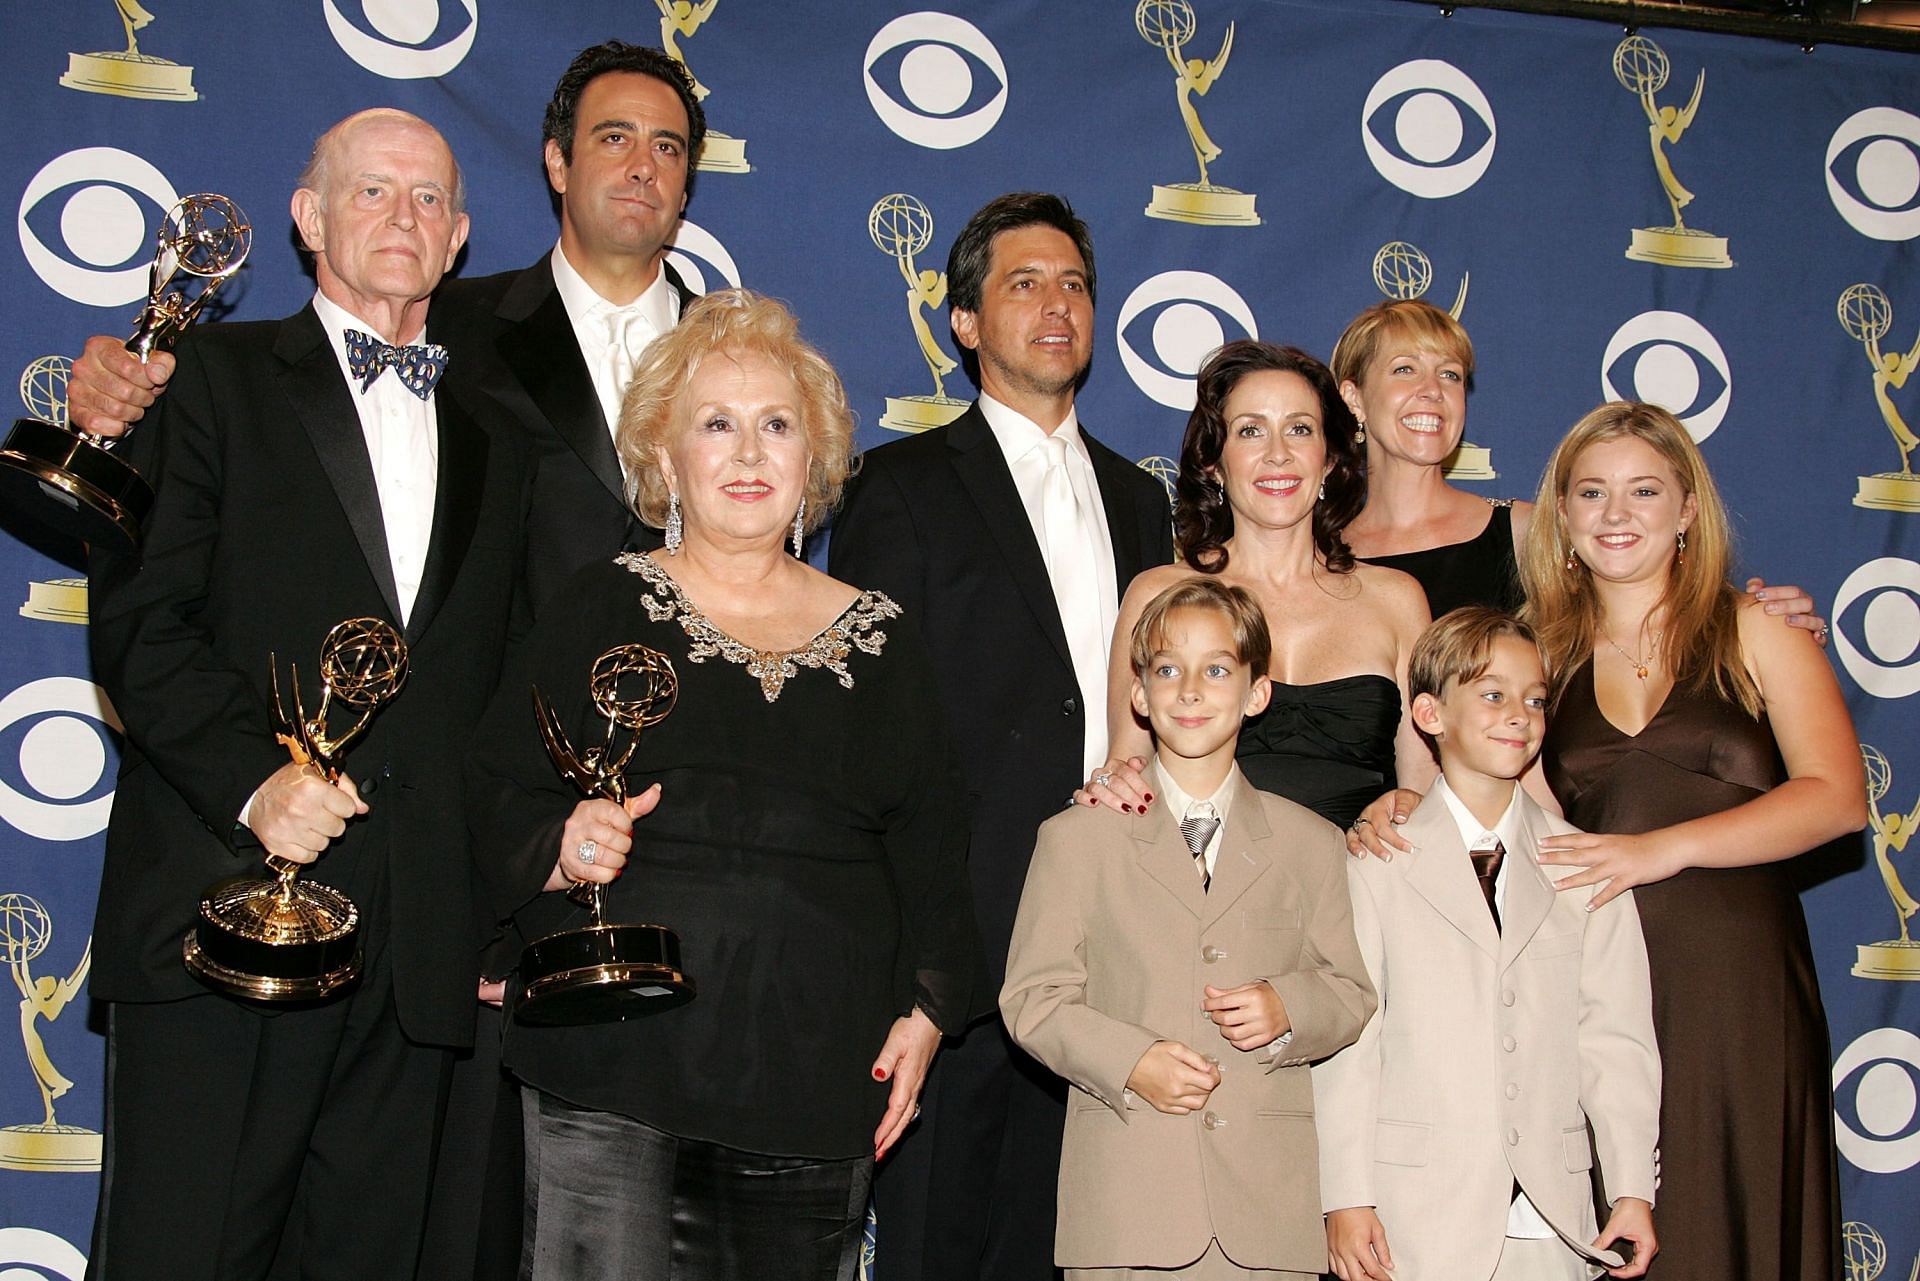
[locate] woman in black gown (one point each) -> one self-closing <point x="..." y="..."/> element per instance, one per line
<point x="1269" y="477"/>
<point x="1712" y="744"/>
<point x="796" y="819"/>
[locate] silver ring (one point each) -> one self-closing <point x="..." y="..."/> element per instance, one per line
<point x="916" y="1113"/>
<point x="1103" y="776"/>
<point x="587" y="851"/>
<point x="1820" y="633"/>
<point x="1358" y="821"/>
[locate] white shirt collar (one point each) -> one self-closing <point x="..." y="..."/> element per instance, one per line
<point x="1018" y="435"/>
<point x="1177" y="801"/>
<point x="1474" y="833"/>
<point x="658" y="304"/>
<point x="336" y="320"/>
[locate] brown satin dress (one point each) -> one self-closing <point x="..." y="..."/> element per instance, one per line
<point x="1747" y="1187"/>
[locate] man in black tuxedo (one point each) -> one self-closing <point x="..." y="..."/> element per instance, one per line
<point x="307" y="471"/>
<point x="1008" y="536"/>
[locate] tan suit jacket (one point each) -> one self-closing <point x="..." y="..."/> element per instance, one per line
<point x="1114" y="942"/>
<point x="1490" y="1054"/>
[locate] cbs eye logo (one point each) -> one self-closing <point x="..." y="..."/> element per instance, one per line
<point x="1878" y="640"/>
<point x="56" y="771"/>
<point x="85" y="203"/>
<point x="948" y="84"/>
<point x="691" y="246"/>
<point x="1874" y="1117"/>
<point x="28" y="1254"/>
<point x="1873" y="173"/>
<point x="1670" y="359"/>
<point x="1428" y="129"/>
<point x="404" y="39"/>
<point x="1179" y="317"/>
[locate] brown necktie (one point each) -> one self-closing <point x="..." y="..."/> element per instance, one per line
<point x="1486" y="866"/>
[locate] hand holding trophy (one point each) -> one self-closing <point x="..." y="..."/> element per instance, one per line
<point x="282" y="939"/>
<point x="67" y="478"/>
<point x="601" y="972"/>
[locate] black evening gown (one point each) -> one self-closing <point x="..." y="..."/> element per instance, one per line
<point x="1747" y="1185"/>
<point x="809" y="849"/>
<point x="1480" y="571"/>
<point x="1327" y="746"/>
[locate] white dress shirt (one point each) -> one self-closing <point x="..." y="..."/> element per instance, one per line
<point x="1523" y="1221"/>
<point x="403" y="443"/>
<point x="596" y="321"/>
<point x="1021" y="440"/>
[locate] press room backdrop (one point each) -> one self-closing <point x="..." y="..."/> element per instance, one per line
<point x="1249" y="167"/>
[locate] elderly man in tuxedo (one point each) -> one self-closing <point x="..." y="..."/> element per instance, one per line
<point x="306" y="471"/>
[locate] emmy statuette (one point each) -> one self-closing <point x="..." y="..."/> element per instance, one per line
<point x="1897" y="958"/>
<point x="603" y="972"/>
<point x="69" y="479"/>
<point x="1169" y="24"/>
<point x="48" y="1144"/>
<point x="1867" y="315"/>
<point x="281" y="938"/>
<point x="1402" y="271"/>
<point x="1641" y="67"/>
<point x="901" y="226"/>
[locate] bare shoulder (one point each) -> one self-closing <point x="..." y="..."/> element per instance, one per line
<point x="1151" y="582"/>
<point x="1395" y="592"/>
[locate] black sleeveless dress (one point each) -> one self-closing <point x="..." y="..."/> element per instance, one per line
<point x="1746" y="1134"/>
<point x="1327" y="746"/>
<point x="1480" y="571"/>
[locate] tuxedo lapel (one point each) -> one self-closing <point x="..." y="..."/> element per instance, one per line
<point x="983" y="471"/>
<point x="1442" y="874"/>
<point x="538" y="345"/>
<point x="324" y="405"/>
<point x="1245" y="855"/>
<point x="1162" y="854"/>
<point x="1529" y="895"/>
<point x="1123" y="527"/>
<point x="456" y="507"/>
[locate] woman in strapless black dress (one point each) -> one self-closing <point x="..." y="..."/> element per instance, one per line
<point x="1269" y="476"/>
<point x="1711" y="745"/>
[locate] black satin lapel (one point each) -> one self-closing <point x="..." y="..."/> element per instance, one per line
<point x="324" y="404"/>
<point x="545" y="357"/>
<point x="1123" y="522"/>
<point x="456" y="509"/>
<point x="983" y="470"/>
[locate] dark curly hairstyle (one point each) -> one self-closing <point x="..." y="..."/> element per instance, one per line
<point x="1202" y="520"/>
<point x="615" y="55"/>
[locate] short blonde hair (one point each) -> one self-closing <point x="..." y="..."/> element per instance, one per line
<point x="1252" y="643"/>
<point x="1420" y="323"/>
<point x="729" y="322"/>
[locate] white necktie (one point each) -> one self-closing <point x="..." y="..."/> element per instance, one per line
<point x="1073" y="565"/>
<point x="622" y="331"/>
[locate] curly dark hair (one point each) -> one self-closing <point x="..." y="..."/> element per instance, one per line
<point x="1202" y="520"/>
<point x="615" y="55"/>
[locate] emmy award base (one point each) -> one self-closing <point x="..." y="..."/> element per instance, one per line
<point x="723" y="153"/>
<point x="1895" y="959"/>
<point x="1890" y="491"/>
<point x="1678" y="247"/>
<point x="1204" y="204"/>
<point x="920" y="413"/>
<point x="1471" y="462"/>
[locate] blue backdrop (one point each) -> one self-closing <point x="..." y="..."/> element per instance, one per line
<point x="1500" y="162"/>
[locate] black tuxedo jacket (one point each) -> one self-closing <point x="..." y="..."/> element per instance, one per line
<point x="266" y="531"/>
<point x="934" y="521"/>
<point x="512" y="340"/>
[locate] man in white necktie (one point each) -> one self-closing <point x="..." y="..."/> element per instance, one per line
<point x="1007" y="536"/>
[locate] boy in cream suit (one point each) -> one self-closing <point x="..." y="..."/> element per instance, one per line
<point x="1181" y="967"/>
<point x="1454" y="1133"/>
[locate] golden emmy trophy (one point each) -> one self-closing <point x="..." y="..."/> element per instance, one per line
<point x="1866" y="314"/>
<point x="720" y="153"/>
<point x="1864" y="1253"/>
<point x="128" y="73"/>
<point x="1402" y="272"/>
<point x="1640" y="66"/>
<point x="25" y="931"/>
<point x="601" y="972"/>
<point x="901" y="227"/>
<point x="69" y="479"/>
<point x="1891" y="958"/>
<point x="279" y="938"/>
<point x="1169" y="24"/>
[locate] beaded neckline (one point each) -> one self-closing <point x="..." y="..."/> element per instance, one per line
<point x="857" y="627"/>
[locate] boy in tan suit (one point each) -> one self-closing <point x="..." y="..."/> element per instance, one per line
<point x="1181" y="967"/>
<point x="1511" y="1018"/>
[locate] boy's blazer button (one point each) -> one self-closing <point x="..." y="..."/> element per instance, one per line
<point x="1210" y="954"/>
<point x="1507" y="997"/>
<point x="1513" y="1090"/>
<point x="1513" y="1138"/>
<point x="1507" y="1043"/>
<point x="1213" y="1121"/>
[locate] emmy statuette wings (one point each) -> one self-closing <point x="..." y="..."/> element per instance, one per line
<point x="70" y="480"/>
<point x="604" y="972"/>
<point x="280" y="938"/>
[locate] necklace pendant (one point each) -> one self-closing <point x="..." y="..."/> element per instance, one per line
<point x="1641" y="672"/>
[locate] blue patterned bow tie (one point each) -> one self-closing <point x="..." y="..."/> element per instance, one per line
<point x="418" y="368"/>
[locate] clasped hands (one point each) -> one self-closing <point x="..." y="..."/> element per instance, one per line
<point x="1176" y="1079"/>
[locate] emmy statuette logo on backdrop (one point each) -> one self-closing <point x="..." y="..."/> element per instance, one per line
<point x="1402" y="272"/>
<point x="1169" y="24"/>
<point x="1641" y="67"/>
<point x="1864" y="1252"/>
<point x="901" y="227"/>
<point x="128" y="73"/>
<point x="1890" y="958"/>
<point x="44" y="1145"/>
<point x="43" y="390"/>
<point x="1867" y="315"/>
<point x="720" y="153"/>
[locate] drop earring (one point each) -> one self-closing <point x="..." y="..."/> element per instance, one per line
<point x="800" y="529"/>
<point x="1680" y="548"/>
<point x="1360" y="434"/>
<point x="1323" y="492"/>
<point x="676" y="533"/>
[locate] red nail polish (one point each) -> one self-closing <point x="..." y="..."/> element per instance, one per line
<point x="1125" y="808"/>
<point x="1149" y="798"/>
<point x="879" y="1074"/>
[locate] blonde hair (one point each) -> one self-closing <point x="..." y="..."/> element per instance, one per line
<point x="1252" y="643"/>
<point x="1457" y="647"/>
<point x="732" y="322"/>
<point x="1423" y="325"/>
<point x="1699" y="607"/>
